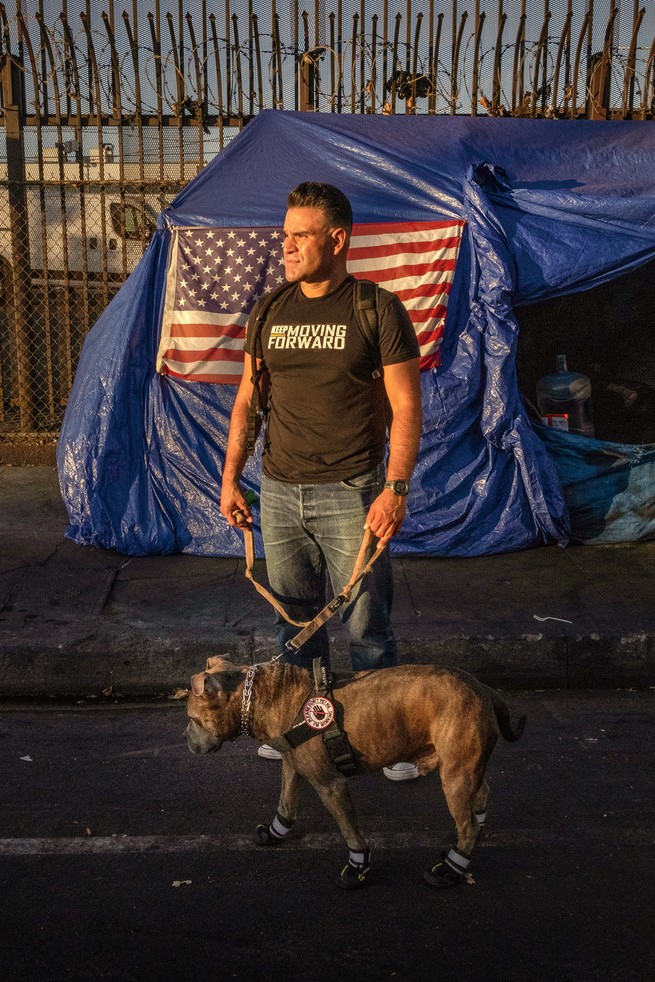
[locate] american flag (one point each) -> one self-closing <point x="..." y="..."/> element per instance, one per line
<point x="215" y="276"/>
<point x="416" y="261"/>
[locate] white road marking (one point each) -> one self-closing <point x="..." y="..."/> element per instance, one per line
<point x="314" y="841"/>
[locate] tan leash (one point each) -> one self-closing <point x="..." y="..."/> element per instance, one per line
<point x="360" y="570"/>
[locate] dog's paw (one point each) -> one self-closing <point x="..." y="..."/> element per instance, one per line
<point x="274" y="834"/>
<point x="443" y="875"/>
<point x="264" y="837"/>
<point x="352" y="878"/>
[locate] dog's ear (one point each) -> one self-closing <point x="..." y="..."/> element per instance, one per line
<point x="220" y="663"/>
<point x="200" y="682"/>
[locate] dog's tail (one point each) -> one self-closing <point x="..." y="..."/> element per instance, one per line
<point x="511" y="733"/>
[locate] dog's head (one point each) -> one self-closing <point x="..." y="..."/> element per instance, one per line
<point x="214" y="706"/>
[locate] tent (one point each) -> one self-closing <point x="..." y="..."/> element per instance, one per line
<point x="549" y="208"/>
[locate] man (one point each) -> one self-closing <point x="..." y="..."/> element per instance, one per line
<point x="323" y="476"/>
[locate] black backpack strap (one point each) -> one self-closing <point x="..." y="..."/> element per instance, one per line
<point x="370" y="300"/>
<point x="367" y="315"/>
<point x="258" y="407"/>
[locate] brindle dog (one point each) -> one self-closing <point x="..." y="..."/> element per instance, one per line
<point x="432" y="716"/>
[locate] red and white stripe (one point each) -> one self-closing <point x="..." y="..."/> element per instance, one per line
<point x="204" y="347"/>
<point x="416" y="261"/>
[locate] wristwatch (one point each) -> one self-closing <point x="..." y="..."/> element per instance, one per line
<point x="400" y="488"/>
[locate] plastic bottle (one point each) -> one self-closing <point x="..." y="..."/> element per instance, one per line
<point x="567" y="393"/>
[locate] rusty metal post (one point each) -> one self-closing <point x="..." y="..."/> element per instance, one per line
<point x="598" y="104"/>
<point x="200" y="122"/>
<point x="374" y="64"/>
<point x="295" y="28"/>
<point x="475" y="84"/>
<point x="497" y="80"/>
<point x="14" y="115"/>
<point x="627" y="109"/>
<point x="564" y="46"/>
<point x="434" y="70"/>
<point x="385" y="50"/>
<point x="95" y="87"/>
<point x="454" y="87"/>
<point x="155" y="35"/>
<point x="258" y="62"/>
<point x="362" y="57"/>
<point x="277" y="62"/>
<point x="646" y="99"/>
<point x="45" y="303"/>
<point x="518" y="72"/>
<point x="62" y="339"/>
<point x="77" y="331"/>
<point x="237" y="62"/>
<point x="394" y="63"/>
<point x="414" y="77"/>
<point x="576" y="65"/>
<point x="307" y="69"/>
<point x="353" y="63"/>
<point x="339" y="49"/>
<point x="540" y="62"/>
<point x="219" y="78"/>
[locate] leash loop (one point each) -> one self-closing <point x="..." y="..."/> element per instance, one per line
<point x="361" y="569"/>
<point x="249" y="542"/>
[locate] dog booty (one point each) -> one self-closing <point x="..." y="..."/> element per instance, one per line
<point x="449" y="871"/>
<point x="273" y="834"/>
<point x="353" y="875"/>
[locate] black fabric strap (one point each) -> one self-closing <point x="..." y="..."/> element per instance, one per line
<point x="336" y="741"/>
<point x="340" y="751"/>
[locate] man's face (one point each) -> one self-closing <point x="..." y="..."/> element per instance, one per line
<point x="309" y="247"/>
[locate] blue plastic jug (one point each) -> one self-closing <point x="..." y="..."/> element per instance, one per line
<point x="567" y="393"/>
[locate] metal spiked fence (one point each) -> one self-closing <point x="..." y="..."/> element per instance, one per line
<point x="105" y="117"/>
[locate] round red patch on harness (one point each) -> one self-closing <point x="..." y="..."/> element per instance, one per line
<point x="318" y="712"/>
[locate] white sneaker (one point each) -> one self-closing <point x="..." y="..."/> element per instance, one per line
<point x="269" y="752"/>
<point x="401" y="772"/>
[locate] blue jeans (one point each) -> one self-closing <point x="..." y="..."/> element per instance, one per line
<point x="312" y="534"/>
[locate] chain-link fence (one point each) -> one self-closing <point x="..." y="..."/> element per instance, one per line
<point x="107" y="115"/>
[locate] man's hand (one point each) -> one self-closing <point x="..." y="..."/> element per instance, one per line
<point x="386" y="516"/>
<point x="234" y="506"/>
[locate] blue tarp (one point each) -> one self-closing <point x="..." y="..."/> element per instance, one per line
<point x="551" y="208"/>
<point x="609" y="488"/>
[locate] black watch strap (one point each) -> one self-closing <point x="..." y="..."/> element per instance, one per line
<point x="400" y="488"/>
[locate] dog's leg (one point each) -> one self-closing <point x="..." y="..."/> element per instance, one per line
<point x="336" y="798"/>
<point x="287" y="809"/>
<point x="465" y="793"/>
<point x="480" y="805"/>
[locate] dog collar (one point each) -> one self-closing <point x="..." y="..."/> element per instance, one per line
<point x="246" y="699"/>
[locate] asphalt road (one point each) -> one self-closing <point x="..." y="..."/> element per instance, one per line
<point x="124" y="857"/>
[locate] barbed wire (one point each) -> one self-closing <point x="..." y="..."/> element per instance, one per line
<point x="354" y="77"/>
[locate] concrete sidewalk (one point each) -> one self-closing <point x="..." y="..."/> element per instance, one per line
<point x="78" y="621"/>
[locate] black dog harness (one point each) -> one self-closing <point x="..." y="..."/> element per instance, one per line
<point x="318" y="714"/>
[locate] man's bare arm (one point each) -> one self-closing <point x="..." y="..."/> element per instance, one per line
<point x="233" y="504"/>
<point x="403" y="389"/>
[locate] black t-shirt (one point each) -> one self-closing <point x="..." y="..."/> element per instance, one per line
<point x="327" y="414"/>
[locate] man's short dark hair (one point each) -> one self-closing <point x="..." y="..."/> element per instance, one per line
<point x="333" y="202"/>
